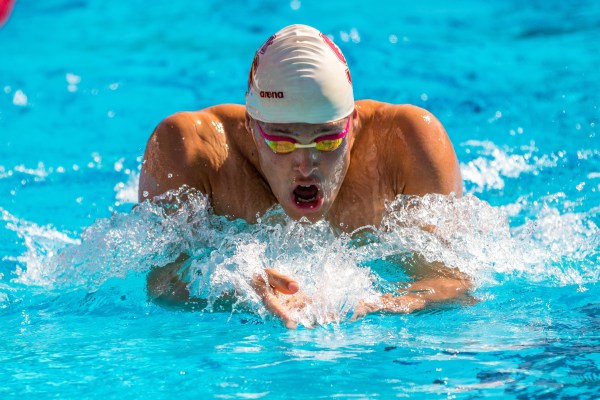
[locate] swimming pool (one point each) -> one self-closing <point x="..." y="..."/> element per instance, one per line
<point x="84" y="82"/>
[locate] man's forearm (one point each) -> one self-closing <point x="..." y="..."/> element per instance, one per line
<point x="417" y="296"/>
<point x="434" y="282"/>
<point x="438" y="289"/>
<point x="165" y="285"/>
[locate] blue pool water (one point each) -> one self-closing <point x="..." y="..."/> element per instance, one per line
<point x="84" y="82"/>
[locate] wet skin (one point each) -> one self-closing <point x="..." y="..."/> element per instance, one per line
<point x="389" y="150"/>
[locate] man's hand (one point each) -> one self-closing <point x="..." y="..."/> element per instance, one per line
<point x="271" y="291"/>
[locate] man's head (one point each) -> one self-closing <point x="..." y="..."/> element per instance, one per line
<point x="299" y="75"/>
<point x="300" y="107"/>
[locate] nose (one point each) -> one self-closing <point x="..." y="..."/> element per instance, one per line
<point x="306" y="161"/>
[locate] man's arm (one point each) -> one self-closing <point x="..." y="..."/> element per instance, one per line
<point x="173" y="158"/>
<point x="432" y="283"/>
<point x="183" y="151"/>
<point x="428" y="165"/>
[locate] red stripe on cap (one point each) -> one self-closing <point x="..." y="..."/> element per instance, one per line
<point x="333" y="47"/>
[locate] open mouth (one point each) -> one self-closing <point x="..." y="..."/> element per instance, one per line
<point x="307" y="196"/>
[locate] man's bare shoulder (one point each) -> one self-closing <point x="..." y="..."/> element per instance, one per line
<point x="186" y="148"/>
<point x="202" y="134"/>
<point x="414" y="146"/>
<point x="415" y="123"/>
<point x="399" y="127"/>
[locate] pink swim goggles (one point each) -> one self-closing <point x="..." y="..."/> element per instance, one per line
<point x="284" y="145"/>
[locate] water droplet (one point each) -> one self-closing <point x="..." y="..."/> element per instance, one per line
<point x="354" y="35"/>
<point x="72" y="79"/>
<point x="145" y="193"/>
<point x="118" y="166"/>
<point x="20" y="98"/>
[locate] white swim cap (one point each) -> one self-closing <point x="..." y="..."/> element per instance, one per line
<point x="299" y="75"/>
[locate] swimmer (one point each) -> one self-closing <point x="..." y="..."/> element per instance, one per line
<point x="303" y="142"/>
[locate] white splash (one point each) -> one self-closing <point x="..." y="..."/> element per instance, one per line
<point x="41" y="243"/>
<point x="127" y="192"/>
<point x="557" y="248"/>
<point x="334" y="272"/>
<point x="109" y="248"/>
<point x="487" y="172"/>
<point x="325" y="266"/>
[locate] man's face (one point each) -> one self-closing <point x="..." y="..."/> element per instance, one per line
<point x="305" y="181"/>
